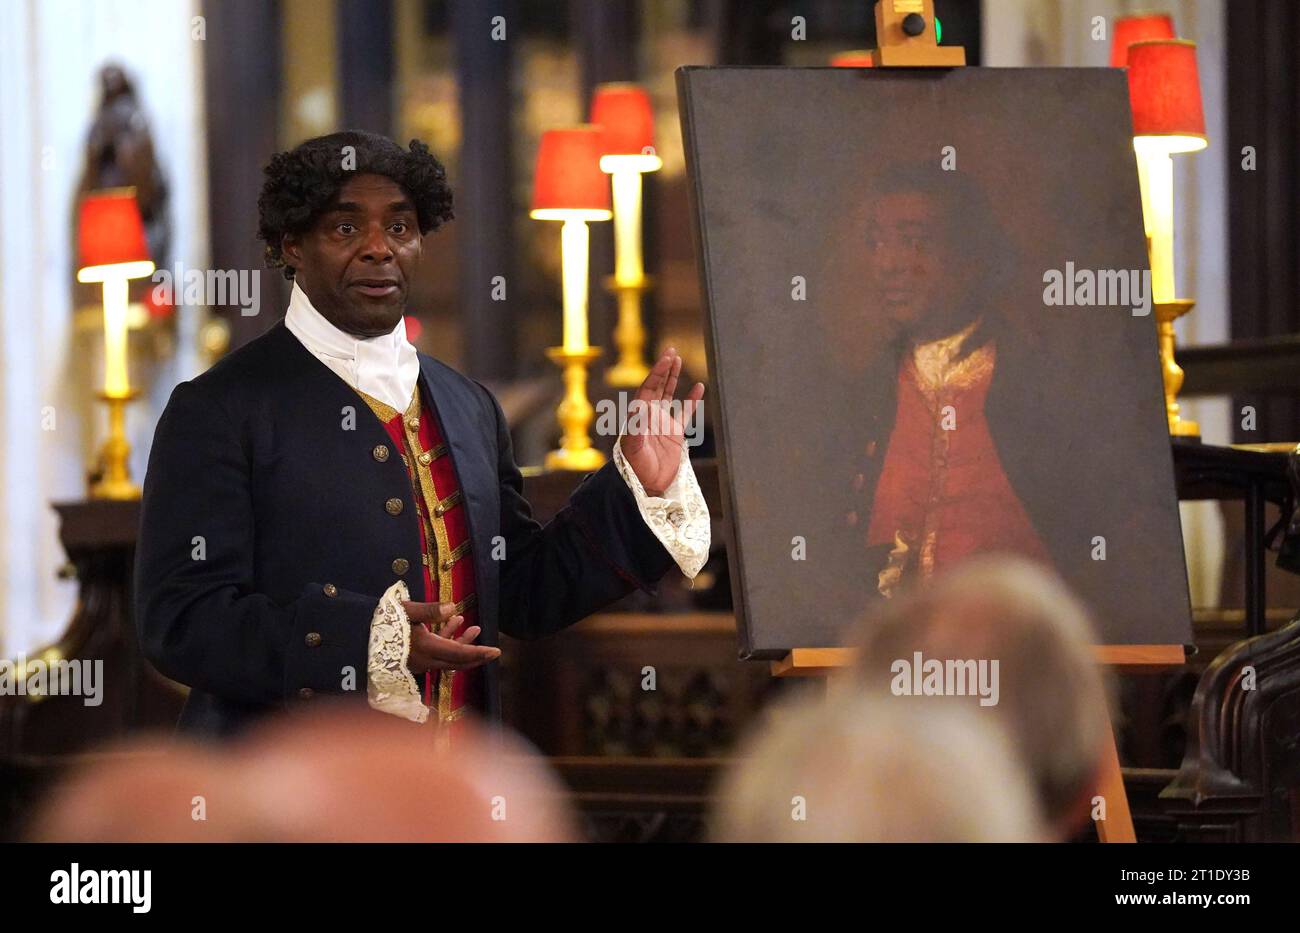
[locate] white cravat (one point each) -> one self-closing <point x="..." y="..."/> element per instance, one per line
<point x="385" y="367"/>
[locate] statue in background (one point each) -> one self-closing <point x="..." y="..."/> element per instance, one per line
<point x="119" y="153"/>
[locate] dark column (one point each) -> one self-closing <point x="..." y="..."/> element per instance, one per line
<point x="1264" y="204"/>
<point x="485" y="208"/>
<point x="365" y="67"/>
<point x="750" y="32"/>
<point x="605" y="34"/>
<point x="961" y="26"/>
<point x="242" y="74"/>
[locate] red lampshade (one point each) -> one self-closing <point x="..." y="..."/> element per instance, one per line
<point x="1138" y="28"/>
<point x="624" y="113"/>
<point x="568" y="177"/>
<point x="413" y="328"/>
<point x="1164" y="89"/>
<point x="855" y="58"/>
<point x="109" y="229"/>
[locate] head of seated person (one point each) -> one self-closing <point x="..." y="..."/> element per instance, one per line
<point x="1012" y="644"/>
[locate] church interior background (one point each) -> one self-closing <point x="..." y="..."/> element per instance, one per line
<point x="185" y="99"/>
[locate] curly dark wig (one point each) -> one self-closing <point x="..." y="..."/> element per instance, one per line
<point x="303" y="182"/>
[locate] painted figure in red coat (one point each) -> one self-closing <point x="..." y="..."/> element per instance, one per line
<point x="941" y="490"/>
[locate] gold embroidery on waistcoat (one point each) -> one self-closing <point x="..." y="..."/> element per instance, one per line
<point x="939" y="381"/>
<point x="427" y="502"/>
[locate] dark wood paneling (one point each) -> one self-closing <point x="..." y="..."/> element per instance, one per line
<point x="1264" y="366"/>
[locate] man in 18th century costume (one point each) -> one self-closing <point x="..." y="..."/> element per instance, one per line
<point x="327" y="511"/>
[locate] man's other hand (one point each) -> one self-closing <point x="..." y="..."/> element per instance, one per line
<point x="442" y="648"/>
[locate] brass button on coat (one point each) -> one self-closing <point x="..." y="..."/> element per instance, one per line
<point x="331" y="589"/>
<point x="312" y="640"/>
<point x="401" y="565"/>
<point x="394" y="506"/>
<point x="306" y="693"/>
<point x="426" y="458"/>
<point x="380" y="453"/>
<point x="439" y="511"/>
<point x="413" y="423"/>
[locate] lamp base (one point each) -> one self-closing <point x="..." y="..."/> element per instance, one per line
<point x="112" y="476"/>
<point x="629" y="335"/>
<point x="112" y="489"/>
<point x="1166" y="313"/>
<point x="574" y="413"/>
<point x="631" y="376"/>
<point x="584" y="460"/>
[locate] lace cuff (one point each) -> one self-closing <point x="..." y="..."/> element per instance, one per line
<point x="390" y="685"/>
<point x="679" y="518"/>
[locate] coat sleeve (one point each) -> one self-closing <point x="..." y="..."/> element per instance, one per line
<point x="199" y="619"/>
<point x="596" y="550"/>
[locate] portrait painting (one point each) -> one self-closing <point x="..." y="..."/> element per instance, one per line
<point x="930" y="333"/>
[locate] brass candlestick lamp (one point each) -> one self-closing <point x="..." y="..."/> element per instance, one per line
<point x="626" y="118"/>
<point x="569" y="187"/>
<point x="113" y="250"/>
<point x="1165" y="94"/>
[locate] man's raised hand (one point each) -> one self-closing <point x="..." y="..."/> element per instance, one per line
<point x="652" y="439"/>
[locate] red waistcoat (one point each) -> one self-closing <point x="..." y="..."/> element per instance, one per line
<point x="943" y="493"/>
<point x="444" y="540"/>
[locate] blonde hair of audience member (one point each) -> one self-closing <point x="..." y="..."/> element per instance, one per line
<point x="332" y="775"/>
<point x="870" y="769"/>
<point x="146" y="790"/>
<point x="1052" y="694"/>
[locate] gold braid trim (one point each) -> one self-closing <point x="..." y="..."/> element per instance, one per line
<point x="427" y="501"/>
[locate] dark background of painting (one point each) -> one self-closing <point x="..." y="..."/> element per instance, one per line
<point x="781" y="162"/>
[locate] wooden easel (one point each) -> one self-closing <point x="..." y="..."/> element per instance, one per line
<point x="1133" y="659"/>
<point x="905" y="37"/>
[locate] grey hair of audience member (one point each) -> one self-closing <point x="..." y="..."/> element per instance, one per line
<point x="1052" y="695"/>
<point x="868" y="769"/>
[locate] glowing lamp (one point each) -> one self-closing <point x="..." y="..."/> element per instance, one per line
<point x="569" y="186"/>
<point x="1165" y="96"/>
<point x="1165" y="93"/>
<point x="625" y="115"/>
<point x="626" y="118"/>
<point x="110" y="233"/>
<point x="1137" y="28"/>
<point x="112" y="250"/>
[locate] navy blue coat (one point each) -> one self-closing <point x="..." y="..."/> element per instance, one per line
<point x="262" y="499"/>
